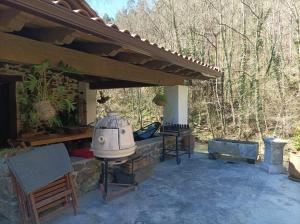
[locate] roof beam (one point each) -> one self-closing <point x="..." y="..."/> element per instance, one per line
<point x="118" y="84"/>
<point x="132" y="58"/>
<point x="13" y="20"/>
<point x="171" y="68"/>
<point x="103" y="49"/>
<point x="83" y="24"/>
<point x="57" y="35"/>
<point x="155" y="64"/>
<point x="18" y="49"/>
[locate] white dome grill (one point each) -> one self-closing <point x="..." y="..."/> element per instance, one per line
<point x="113" y="137"/>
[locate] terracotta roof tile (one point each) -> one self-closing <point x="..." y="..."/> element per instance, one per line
<point x="82" y="8"/>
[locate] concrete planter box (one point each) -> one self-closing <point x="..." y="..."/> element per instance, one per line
<point x="241" y="149"/>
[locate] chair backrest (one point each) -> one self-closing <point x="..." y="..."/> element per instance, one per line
<point x="39" y="167"/>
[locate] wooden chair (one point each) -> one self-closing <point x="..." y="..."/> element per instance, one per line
<point x="44" y="201"/>
<point x="47" y="202"/>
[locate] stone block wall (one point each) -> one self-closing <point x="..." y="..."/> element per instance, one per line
<point x="86" y="174"/>
<point x="9" y="206"/>
<point x="86" y="177"/>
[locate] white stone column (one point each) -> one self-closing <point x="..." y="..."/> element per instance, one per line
<point x="176" y="110"/>
<point x="89" y="97"/>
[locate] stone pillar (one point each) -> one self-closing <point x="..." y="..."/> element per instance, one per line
<point x="176" y="110"/>
<point x="88" y="104"/>
<point x="273" y="158"/>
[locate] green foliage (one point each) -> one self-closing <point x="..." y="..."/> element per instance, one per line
<point x="134" y="103"/>
<point x="28" y="115"/>
<point x="39" y="86"/>
<point x="160" y="99"/>
<point x="297" y="141"/>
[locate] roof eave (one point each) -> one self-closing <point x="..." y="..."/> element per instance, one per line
<point x="60" y="15"/>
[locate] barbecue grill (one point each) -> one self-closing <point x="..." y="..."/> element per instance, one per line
<point x="178" y="131"/>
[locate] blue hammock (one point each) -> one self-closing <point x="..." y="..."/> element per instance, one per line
<point x="146" y="132"/>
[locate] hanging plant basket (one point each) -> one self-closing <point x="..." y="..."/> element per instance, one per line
<point x="45" y="110"/>
<point x="160" y="100"/>
<point x="103" y="99"/>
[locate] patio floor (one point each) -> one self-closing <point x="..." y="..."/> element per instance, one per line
<point x="197" y="191"/>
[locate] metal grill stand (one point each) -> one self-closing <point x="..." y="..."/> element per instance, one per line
<point x="176" y="131"/>
<point x="104" y="185"/>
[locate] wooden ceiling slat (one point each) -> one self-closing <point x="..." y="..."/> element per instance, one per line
<point x="12" y="20"/>
<point x="103" y="49"/>
<point x="171" y="69"/>
<point x="57" y="35"/>
<point x="156" y="64"/>
<point x="132" y="58"/>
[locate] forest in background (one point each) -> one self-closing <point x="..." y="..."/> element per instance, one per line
<point x="255" y="43"/>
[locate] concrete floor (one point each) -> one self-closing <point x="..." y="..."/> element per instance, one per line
<point x="197" y="191"/>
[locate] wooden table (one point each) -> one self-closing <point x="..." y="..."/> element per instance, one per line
<point x="56" y="138"/>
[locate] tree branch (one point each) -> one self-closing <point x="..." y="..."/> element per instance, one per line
<point x="235" y="30"/>
<point x="249" y="7"/>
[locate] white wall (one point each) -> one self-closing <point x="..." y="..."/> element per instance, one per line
<point x="176" y="110"/>
<point x="90" y="99"/>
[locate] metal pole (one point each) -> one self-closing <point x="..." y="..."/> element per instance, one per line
<point x="105" y="176"/>
<point x="177" y="156"/>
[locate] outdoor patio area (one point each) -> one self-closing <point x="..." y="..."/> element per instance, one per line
<point x="197" y="191"/>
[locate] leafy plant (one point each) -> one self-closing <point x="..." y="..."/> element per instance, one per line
<point x="39" y="86"/>
<point x="160" y="99"/>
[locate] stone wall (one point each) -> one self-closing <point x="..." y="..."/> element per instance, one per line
<point x="86" y="174"/>
<point x="86" y="177"/>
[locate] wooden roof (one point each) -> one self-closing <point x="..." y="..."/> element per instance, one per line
<point x="70" y="30"/>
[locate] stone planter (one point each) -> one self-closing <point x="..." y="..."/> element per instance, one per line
<point x="240" y="149"/>
<point x="273" y="157"/>
<point x="294" y="166"/>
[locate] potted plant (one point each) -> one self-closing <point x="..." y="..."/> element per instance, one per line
<point x="42" y="101"/>
<point x="39" y="85"/>
<point x="294" y="163"/>
<point x="160" y="99"/>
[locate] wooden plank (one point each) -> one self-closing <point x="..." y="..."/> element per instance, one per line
<point x="50" y="194"/>
<point x="103" y="49"/>
<point x="59" y="181"/>
<point x="23" y="50"/>
<point x="133" y="58"/>
<point x="49" y="189"/>
<point x="117" y="84"/>
<point x="53" y="198"/>
<point x="52" y="139"/>
<point x="10" y="78"/>
<point x="13" y="20"/>
<point x="51" y="205"/>
<point x="57" y="35"/>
